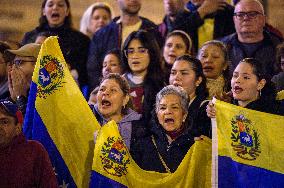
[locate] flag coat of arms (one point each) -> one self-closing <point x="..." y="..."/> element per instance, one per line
<point x="114" y="167"/>
<point x="250" y="148"/>
<point x="59" y="117"/>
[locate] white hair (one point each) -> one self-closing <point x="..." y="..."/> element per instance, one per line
<point x="86" y="18"/>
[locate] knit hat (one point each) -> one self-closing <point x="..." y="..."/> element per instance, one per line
<point x="12" y="109"/>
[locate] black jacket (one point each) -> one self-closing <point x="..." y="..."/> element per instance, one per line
<point x="74" y="46"/>
<point x="146" y="155"/>
<point x="265" y="53"/>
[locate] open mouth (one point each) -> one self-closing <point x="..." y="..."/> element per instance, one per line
<point x="237" y="89"/>
<point x="55" y="15"/>
<point x="135" y="63"/>
<point x="207" y="69"/>
<point x="106" y="103"/>
<point x="169" y="120"/>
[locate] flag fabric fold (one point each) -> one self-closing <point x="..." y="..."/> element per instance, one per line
<point x="59" y="117"/>
<point x="114" y="167"/>
<point x="250" y="147"/>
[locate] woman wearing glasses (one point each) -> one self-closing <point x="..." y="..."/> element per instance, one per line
<point x="142" y="62"/>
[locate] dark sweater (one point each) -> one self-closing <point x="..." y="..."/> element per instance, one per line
<point x="25" y="164"/>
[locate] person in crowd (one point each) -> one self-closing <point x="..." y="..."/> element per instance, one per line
<point x="94" y="18"/>
<point x="207" y="20"/>
<point x="93" y="97"/>
<point x="56" y="19"/>
<point x="24" y="163"/>
<point x="177" y="43"/>
<point x="187" y="73"/>
<point x="4" y="90"/>
<point x="114" y="34"/>
<point x="40" y="38"/>
<point x="250" y="39"/>
<point x="112" y="63"/>
<point x="268" y="27"/>
<point x="252" y="89"/>
<point x="142" y="62"/>
<point x="20" y="71"/>
<point x="278" y="79"/>
<point x="169" y="138"/>
<point x="112" y="99"/>
<point x="214" y="58"/>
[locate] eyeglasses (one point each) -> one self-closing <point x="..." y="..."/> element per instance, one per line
<point x="20" y="62"/>
<point x="131" y="51"/>
<point x="250" y="15"/>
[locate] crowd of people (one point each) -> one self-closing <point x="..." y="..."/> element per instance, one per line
<point x="155" y="81"/>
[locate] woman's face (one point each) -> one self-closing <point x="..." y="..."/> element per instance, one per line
<point x="212" y="60"/>
<point x="99" y="19"/>
<point x="170" y="113"/>
<point x="174" y="47"/>
<point x="244" y="83"/>
<point x="55" y="12"/>
<point x="138" y="57"/>
<point x="182" y="75"/>
<point x="110" y="99"/>
<point x="111" y="64"/>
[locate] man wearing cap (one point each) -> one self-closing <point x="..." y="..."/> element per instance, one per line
<point x="23" y="163"/>
<point x="20" y="71"/>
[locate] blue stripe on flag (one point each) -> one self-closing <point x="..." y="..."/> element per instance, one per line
<point x="98" y="180"/>
<point x="236" y="175"/>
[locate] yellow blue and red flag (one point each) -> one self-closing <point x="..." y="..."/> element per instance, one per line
<point x="114" y="167"/>
<point x="250" y="148"/>
<point x="59" y="117"/>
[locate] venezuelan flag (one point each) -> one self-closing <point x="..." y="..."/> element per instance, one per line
<point x="114" y="167"/>
<point x="59" y="117"/>
<point x="250" y="148"/>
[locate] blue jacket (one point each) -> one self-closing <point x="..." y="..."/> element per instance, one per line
<point x="265" y="53"/>
<point x="107" y="39"/>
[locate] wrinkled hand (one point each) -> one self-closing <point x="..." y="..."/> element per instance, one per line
<point x="17" y="82"/>
<point x="211" y="6"/>
<point x="211" y="110"/>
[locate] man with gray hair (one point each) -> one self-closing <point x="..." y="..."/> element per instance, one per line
<point x="250" y="39"/>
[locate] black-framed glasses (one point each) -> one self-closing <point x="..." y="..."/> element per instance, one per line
<point x="20" y="62"/>
<point x="131" y="51"/>
<point x="250" y="15"/>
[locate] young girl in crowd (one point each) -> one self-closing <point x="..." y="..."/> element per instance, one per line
<point x="177" y="43"/>
<point x="112" y="63"/>
<point x="95" y="17"/>
<point x="142" y="64"/>
<point x="56" y="19"/>
<point x="214" y="59"/>
<point x="251" y="89"/>
<point x="187" y="73"/>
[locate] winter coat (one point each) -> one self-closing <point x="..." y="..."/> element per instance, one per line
<point x="74" y="46"/>
<point x="265" y="53"/>
<point x="146" y="154"/>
